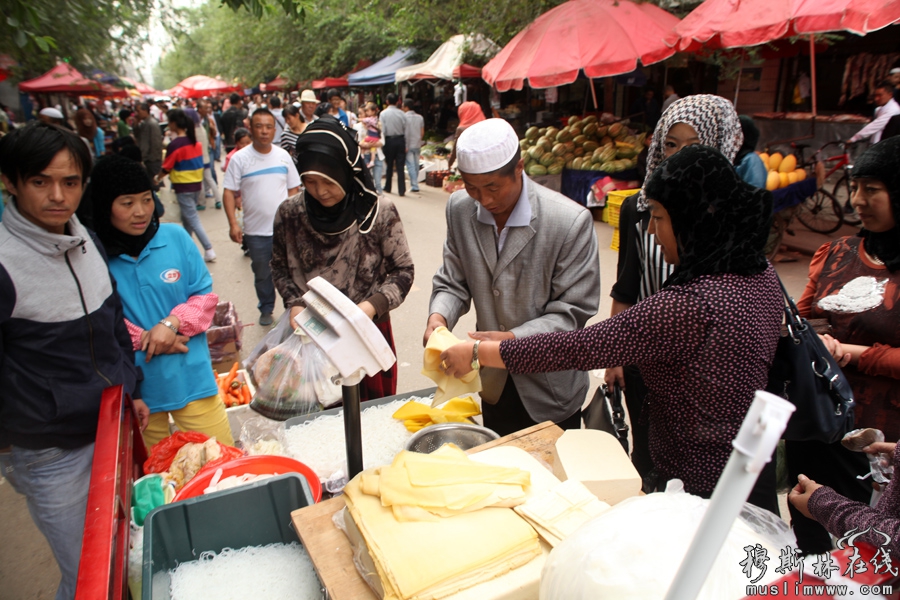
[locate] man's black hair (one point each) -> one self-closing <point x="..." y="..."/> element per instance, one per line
<point x="275" y="102"/>
<point x="332" y="92"/>
<point x="124" y="113"/>
<point x="261" y="111"/>
<point x="392" y="99"/>
<point x="235" y="98"/>
<point x="144" y="106"/>
<point x="27" y="151"/>
<point x="885" y="85"/>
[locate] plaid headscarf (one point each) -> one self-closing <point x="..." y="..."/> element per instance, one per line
<point x="712" y="117"/>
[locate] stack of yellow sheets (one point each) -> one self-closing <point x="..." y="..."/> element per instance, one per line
<point x="437" y="524"/>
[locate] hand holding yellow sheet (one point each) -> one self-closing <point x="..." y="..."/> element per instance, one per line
<point x="448" y="387"/>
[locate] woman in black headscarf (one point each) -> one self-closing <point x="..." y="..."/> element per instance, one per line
<point x="704" y="342"/>
<point x="854" y="283"/>
<point x="167" y="296"/>
<point x="339" y="229"/>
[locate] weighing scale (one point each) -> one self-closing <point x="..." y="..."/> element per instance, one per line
<point x="356" y="347"/>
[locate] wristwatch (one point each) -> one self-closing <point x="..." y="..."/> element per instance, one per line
<point x="475" y="365"/>
<point x="169" y="324"/>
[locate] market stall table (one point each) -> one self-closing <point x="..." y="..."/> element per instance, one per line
<point x="329" y="548"/>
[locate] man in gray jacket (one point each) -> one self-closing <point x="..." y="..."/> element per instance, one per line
<point x="527" y="257"/>
<point x="149" y="139"/>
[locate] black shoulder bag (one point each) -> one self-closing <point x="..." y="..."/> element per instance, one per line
<point x="806" y="374"/>
<point x="606" y="413"/>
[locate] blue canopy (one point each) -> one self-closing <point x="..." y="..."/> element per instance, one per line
<point x="383" y="71"/>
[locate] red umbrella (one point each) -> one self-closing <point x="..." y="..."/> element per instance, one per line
<point x="601" y="37"/>
<point x="65" y="79"/>
<point x="198" y="86"/>
<point x="741" y="23"/>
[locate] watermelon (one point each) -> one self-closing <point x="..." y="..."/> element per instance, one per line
<point x="532" y="133"/>
<point x="536" y="170"/>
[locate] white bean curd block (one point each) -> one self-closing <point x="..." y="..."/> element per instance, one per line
<point x="596" y="459"/>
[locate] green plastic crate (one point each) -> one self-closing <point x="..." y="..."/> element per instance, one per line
<point x="253" y="515"/>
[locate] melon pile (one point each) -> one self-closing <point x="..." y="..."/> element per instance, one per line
<point x="584" y="144"/>
<point x="783" y="170"/>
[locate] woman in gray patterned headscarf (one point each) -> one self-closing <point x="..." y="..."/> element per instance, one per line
<point x="700" y="119"/>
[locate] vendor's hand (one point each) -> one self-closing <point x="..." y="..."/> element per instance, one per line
<point x="368" y="308"/>
<point x="836" y="349"/>
<point x="142" y="412"/>
<point x="236" y="233"/>
<point x="492" y="336"/>
<point x="179" y="347"/>
<point x="799" y="496"/>
<point x="160" y="340"/>
<point x="456" y="360"/>
<point x="614" y="375"/>
<point x="880" y="448"/>
<point x="434" y="321"/>
<point x="295" y="310"/>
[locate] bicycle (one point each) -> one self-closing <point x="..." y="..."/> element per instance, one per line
<point x="823" y="212"/>
<point x="841" y="189"/>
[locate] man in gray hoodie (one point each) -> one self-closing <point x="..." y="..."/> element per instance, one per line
<point x="62" y="336"/>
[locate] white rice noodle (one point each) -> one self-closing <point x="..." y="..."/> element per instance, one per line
<point x="320" y="443"/>
<point x="273" y="572"/>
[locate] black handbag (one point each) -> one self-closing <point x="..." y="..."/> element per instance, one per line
<point x="606" y="413"/>
<point x="806" y="374"/>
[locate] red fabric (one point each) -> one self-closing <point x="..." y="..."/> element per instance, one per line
<point x="469" y="114"/>
<point x="601" y="37"/>
<point x="382" y="384"/>
<point x="730" y="24"/>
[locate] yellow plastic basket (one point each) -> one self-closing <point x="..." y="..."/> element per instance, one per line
<point x="615" y="239"/>
<point x="614" y="200"/>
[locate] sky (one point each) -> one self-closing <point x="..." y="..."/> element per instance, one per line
<point x="158" y="40"/>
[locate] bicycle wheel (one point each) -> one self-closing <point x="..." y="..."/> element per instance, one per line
<point x="842" y="193"/>
<point x="821" y="212"/>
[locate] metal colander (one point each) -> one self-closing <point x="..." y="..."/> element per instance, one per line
<point x="463" y="435"/>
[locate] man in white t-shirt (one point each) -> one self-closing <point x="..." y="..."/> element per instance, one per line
<point x="265" y="176"/>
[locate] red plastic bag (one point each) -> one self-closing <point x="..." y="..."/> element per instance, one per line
<point x="162" y="454"/>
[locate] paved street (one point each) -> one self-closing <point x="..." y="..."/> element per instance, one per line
<point x="27" y="568"/>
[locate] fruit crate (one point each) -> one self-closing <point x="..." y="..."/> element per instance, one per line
<point x="436" y="178"/>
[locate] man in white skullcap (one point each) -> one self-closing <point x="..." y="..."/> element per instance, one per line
<point x="527" y="257"/>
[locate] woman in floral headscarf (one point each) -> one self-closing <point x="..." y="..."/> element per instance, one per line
<point x="339" y="229"/>
<point x="704" y="342"/>
<point x="642" y="269"/>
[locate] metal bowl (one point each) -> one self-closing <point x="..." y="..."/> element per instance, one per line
<point x="464" y="435"/>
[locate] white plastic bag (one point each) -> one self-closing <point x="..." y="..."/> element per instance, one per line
<point x="276" y="335"/>
<point x="634" y="550"/>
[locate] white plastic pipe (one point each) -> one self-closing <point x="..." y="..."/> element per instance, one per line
<point x="753" y="448"/>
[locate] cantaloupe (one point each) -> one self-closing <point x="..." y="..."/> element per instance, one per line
<point x="801" y="174"/>
<point x="792" y="177"/>
<point x="784" y="179"/>
<point x="775" y="161"/>
<point x="788" y="164"/>
<point x="773" y="181"/>
<point x="765" y="158"/>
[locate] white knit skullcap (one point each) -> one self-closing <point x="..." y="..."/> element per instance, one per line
<point x="486" y="146"/>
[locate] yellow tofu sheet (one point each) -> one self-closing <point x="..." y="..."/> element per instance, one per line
<point x="419" y="560"/>
<point x="447" y="387"/>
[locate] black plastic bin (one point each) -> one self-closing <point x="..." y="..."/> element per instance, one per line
<point x="253" y="515"/>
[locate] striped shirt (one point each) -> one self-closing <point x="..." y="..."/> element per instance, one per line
<point x="184" y="163"/>
<point x="289" y="143"/>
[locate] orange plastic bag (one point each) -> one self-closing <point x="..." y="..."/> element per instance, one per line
<point x="162" y="454"/>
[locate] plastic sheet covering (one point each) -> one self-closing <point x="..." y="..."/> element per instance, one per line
<point x="634" y="549"/>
